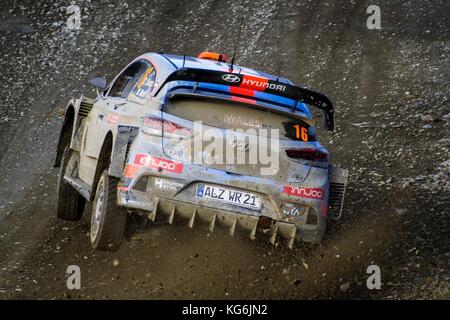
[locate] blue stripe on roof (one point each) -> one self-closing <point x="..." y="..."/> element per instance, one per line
<point x="214" y="86"/>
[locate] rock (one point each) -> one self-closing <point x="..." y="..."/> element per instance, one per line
<point x="345" y="287"/>
<point x="136" y="238"/>
<point x="427" y="118"/>
<point x="296" y="282"/>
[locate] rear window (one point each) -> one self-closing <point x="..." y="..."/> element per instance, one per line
<point x="230" y="115"/>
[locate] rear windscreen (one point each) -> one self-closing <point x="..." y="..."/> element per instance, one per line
<point x="231" y="115"/>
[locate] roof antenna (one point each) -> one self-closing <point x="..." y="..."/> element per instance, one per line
<point x="280" y="63"/>
<point x="236" y="45"/>
<point x="279" y="70"/>
<point x="184" y="59"/>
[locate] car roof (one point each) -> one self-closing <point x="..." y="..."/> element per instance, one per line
<point x="178" y="61"/>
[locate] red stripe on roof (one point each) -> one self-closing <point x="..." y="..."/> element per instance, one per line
<point x="242" y="91"/>
<point x="245" y="100"/>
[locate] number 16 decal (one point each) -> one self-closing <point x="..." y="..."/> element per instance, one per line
<point x="301" y="133"/>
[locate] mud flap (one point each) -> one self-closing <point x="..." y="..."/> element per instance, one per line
<point x="81" y="108"/>
<point x="124" y="139"/>
<point x="338" y="183"/>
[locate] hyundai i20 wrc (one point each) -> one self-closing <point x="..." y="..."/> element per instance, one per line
<point x="199" y="141"/>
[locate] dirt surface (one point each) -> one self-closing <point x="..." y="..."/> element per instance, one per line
<point x="391" y="91"/>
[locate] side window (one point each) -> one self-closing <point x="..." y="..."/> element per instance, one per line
<point x="145" y="84"/>
<point x="127" y="79"/>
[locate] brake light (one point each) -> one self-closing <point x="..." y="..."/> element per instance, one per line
<point x="156" y="127"/>
<point x="315" y="155"/>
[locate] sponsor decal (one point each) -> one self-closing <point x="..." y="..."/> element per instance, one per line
<point x="145" y="84"/>
<point x="231" y="78"/>
<point x="310" y="193"/>
<point x="113" y="118"/>
<point x="260" y="84"/>
<point x="242" y="121"/>
<point x="292" y="210"/>
<point x="168" y="184"/>
<point x="146" y="160"/>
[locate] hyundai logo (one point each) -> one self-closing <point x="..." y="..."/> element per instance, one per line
<point x="231" y="78"/>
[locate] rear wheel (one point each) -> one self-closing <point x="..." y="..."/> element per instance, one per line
<point x="69" y="204"/>
<point x="108" y="220"/>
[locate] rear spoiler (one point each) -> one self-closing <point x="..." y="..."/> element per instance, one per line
<point x="184" y="93"/>
<point x="241" y="85"/>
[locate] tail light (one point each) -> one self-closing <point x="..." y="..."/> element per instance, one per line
<point x="264" y="222"/>
<point x="314" y="155"/>
<point x="155" y="126"/>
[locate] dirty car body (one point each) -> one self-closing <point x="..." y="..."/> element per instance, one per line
<point x="147" y="117"/>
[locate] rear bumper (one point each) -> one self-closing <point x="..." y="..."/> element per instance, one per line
<point x="177" y="200"/>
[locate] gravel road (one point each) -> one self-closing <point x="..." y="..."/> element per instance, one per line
<point x="391" y="92"/>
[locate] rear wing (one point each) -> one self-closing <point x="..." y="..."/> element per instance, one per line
<point x="185" y="93"/>
<point x="245" y="85"/>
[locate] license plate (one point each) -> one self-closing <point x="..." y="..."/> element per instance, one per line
<point x="240" y="198"/>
